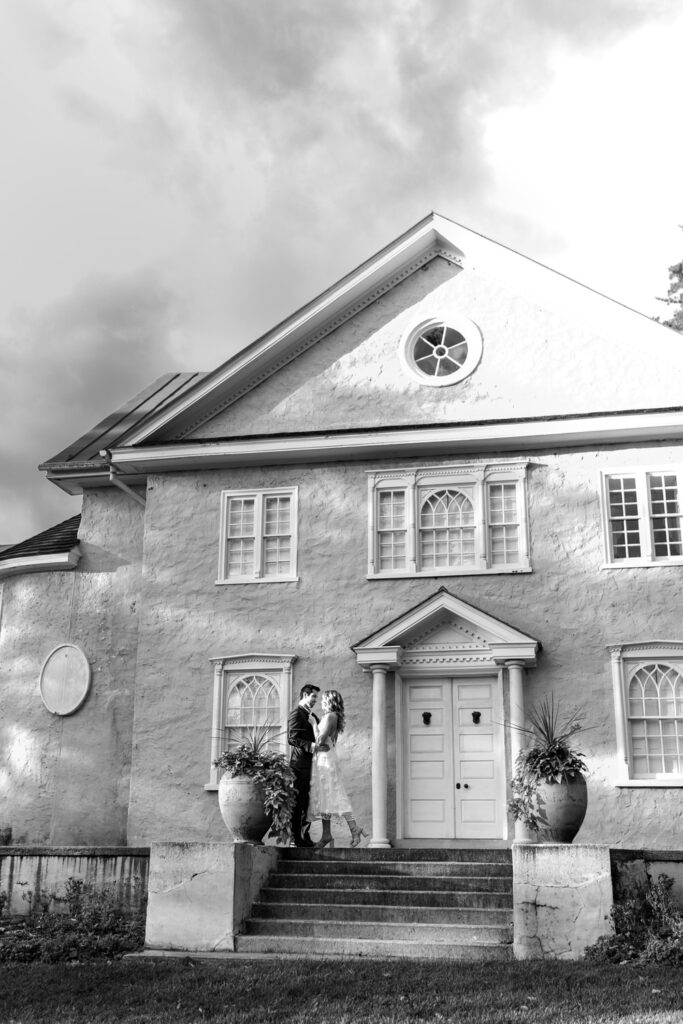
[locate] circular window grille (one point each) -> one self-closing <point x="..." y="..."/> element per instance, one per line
<point x="437" y="353"/>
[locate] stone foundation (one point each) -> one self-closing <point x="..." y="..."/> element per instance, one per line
<point x="562" y="897"/>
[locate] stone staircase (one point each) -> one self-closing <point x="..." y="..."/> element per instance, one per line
<point x="449" y="904"/>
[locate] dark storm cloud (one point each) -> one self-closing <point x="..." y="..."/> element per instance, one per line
<point x="71" y="364"/>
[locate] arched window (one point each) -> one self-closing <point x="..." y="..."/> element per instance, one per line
<point x="250" y="692"/>
<point x="253" y="704"/>
<point x="655" y="720"/>
<point x="446" y="530"/>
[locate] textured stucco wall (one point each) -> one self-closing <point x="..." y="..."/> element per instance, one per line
<point x="569" y="603"/>
<point x="65" y="780"/>
<point x="536" y="361"/>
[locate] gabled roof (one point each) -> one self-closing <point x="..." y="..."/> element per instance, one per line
<point x="53" y="550"/>
<point x="431" y="237"/>
<point x="154" y="431"/>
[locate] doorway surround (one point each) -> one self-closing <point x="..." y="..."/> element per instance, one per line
<point x="442" y="636"/>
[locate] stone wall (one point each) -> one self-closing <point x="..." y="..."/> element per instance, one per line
<point x="34" y="874"/>
<point x="65" y="780"/>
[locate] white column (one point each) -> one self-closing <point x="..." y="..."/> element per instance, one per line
<point x="516" y="676"/>
<point x="379" y="838"/>
<point x="217" y="720"/>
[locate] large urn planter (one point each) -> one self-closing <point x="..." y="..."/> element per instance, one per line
<point x="256" y="792"/>
<point x="549" y="793"/>
<point x="241" y="803"/>
<point x="561" y="809"/>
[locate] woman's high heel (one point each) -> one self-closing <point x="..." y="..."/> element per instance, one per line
<point x="322" y="843"/>
<point x="356" y="835"/>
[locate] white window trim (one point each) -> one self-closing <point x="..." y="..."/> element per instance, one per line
<point x="623" y="656"/>
<point x="277" y="666"/>
<point x="259" y="495"/>
<point x="648" y="559"/>
<point x="475" y="477"/>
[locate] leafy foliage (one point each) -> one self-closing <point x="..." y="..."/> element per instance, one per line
<point x="549" y="758"/>
<point x="648" y="928"/>
<point x="94" y="925"/>
<point x="674" y="298"/>
<point x="253" y="759"/>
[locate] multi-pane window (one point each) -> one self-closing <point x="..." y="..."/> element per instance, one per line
<point x="643" y="517"/>
<point x="449" y="520"/>
<point x="655" y="720"/>
<point x="447" y="530"/>
<point x="258" y="536"/>
<point x="253" y="705"/>
<point x="504" y="524"/>
<point x="391" y="529"/>
<point x="252" y="694"/>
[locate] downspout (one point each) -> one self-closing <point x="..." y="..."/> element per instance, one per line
<point x="114" y="479"/>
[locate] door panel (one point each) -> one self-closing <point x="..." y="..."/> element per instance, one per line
<point x="454" y="785"/>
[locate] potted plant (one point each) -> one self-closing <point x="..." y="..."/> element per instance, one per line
<point x="256" y="792"/>
<point x="549" y="782"/>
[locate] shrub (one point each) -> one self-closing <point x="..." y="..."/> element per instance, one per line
<point x="94" y="925"/>
<point x="648" y="928"/>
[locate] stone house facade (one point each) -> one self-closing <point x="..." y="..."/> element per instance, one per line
<point x="446" y="487"/>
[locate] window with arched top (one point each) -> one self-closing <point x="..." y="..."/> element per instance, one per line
<point x="655" y="716"/>
<point x="253" y="703"/>
<point x="252" y="693"/>
<point x="446" y="530"/>
<point x="648" y="700"/>
<point x="450" y="520"/>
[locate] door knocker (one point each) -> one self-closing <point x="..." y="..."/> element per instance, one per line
<point x="476" y="717"/>
<point x="426" y="717"/>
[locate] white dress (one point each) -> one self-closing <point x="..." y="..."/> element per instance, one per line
<point x="328" y="795"/>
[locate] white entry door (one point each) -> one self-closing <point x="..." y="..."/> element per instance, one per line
<point x="454" y="775"/>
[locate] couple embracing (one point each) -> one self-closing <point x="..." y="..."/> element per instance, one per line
<point x="320" y="792"/>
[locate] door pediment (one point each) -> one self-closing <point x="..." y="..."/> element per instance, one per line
<point x="444" y="630"/>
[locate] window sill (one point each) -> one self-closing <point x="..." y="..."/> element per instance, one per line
<point x="675" y="782"/>
<point x="257" y="579"/>
<point x="211" y="787"/>
<point x="641" y="563"/>
<point x="430" y="573"/>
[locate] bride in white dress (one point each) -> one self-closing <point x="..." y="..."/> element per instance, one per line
<point x="328" y="795"/>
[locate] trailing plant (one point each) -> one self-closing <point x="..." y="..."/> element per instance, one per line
<point x="648" y="928"/>
<point x="550" y="757"/>
<point x="92" y="925"/>
<point x="270" y="769"/>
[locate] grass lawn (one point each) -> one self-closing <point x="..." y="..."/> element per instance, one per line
<point x="181" y="991"/>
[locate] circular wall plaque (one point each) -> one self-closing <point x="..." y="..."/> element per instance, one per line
<point x="65" y="679"/>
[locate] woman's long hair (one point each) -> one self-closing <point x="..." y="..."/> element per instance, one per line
<point x="330" y="700"/>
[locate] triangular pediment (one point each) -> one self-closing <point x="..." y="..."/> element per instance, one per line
<point x="445" y="629"/>
<point x="557" y="364"/>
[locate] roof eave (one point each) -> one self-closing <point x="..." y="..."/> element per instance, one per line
<point x="64" y="562"/>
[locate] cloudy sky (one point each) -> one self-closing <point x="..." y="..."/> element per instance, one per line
<point x="179" y="175"/>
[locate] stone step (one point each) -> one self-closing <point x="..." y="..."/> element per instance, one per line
<point x="340" y="947"/>
<point x="390" y="883"/>
<point x="386" y="931"/>
<point x="499" y="856"/>
<point x="388" y="912"/>
<point x="474" y="869"/>
<point x="397" y="897"/>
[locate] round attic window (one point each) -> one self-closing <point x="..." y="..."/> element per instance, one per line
<point x="438" y="352"/>
<point x="65" y="679"/>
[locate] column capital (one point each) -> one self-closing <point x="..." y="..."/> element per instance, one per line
<point x="388" y="658"/>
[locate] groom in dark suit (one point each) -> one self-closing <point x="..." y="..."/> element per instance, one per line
<point x="301" y="738"/>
